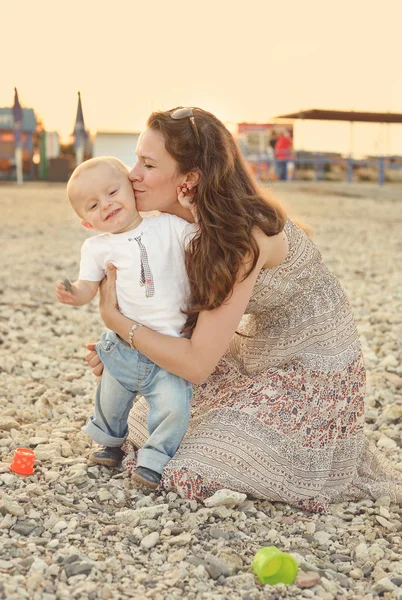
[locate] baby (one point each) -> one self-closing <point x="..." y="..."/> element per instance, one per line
<point x="152" y="288"/>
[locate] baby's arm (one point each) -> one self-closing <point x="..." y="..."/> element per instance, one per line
<point x="81" y="292"/>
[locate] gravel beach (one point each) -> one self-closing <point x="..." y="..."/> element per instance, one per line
<point x="74" y="531"/>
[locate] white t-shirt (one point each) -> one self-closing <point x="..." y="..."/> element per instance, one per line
<point x="152" y="285"/>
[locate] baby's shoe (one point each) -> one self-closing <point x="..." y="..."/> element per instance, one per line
<point x="146" y="477"/>
<point x="108" y="456"/>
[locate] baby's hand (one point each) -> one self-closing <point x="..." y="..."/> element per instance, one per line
<point x="65" y="292"/>
<point x="185" y="195"/>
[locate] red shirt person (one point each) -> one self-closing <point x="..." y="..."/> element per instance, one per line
<point x="283" y="147"/>
<point x="283" y="153"/>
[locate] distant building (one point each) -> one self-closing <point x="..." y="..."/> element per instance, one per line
<point x="7" y="161"/>
<point x="119" y="144"/>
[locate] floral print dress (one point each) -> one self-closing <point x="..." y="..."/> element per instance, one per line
<point x="282" y="416"/>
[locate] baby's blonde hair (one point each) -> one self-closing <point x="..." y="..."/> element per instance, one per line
<point x="92" y="163"/>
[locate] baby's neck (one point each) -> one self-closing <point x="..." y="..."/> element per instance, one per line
<point x="132" y="225"/>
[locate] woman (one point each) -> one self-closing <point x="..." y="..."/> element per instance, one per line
<point x="279" y="398"/>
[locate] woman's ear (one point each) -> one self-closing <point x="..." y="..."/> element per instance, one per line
<point x="193" y="178"/>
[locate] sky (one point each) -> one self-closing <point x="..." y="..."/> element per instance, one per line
<point x="244" y="61"/>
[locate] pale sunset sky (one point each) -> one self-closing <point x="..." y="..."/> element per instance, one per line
<point x="244" y="61"/>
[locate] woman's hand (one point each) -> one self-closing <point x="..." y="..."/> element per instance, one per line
<point x="108" y="305"/>
<point x="94" y="361"/>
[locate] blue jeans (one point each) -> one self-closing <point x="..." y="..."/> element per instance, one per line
<point x="127" y="373"/>
<point x="282" y="168"/>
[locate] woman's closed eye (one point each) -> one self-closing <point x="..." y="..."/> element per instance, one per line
<point x="148" y="166"/>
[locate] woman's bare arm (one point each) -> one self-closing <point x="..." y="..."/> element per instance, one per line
<point x="192" y="359"/>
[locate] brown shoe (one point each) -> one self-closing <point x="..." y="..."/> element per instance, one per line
<point x="107" y="456"/>
<point x="146" y="477"/>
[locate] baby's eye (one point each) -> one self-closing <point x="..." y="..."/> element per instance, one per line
<point x="93" y="206"/>
<point x="112" y="193"/>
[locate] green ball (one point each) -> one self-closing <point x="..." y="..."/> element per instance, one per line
<point x="273" y="566"/>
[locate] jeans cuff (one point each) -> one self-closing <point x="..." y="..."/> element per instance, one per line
<point x="152" y="459"/>
<point x="100" y="437"/>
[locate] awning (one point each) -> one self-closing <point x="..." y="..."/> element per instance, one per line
<point x="316" y="114"/>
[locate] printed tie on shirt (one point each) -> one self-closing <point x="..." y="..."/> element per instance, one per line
<point x="146" y="277"/>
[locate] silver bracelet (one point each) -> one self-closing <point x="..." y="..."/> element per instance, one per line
<point x="131" y="333"/>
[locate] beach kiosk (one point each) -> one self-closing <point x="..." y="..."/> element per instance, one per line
<point x="7" y="154"/>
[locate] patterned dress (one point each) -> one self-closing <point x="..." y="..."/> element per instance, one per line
<point x="282" y="416"/>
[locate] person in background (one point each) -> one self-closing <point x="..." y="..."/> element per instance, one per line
<point x="283" y="154"/>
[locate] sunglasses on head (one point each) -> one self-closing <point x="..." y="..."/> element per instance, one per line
<point x="183" y="113"/>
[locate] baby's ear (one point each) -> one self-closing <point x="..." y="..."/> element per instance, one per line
<point x="87" y="225"/>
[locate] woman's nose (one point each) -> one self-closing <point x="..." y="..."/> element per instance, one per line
<point x="134" y="173"/>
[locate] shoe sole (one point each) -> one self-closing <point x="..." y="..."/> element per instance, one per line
<point x="106" y="462"/>
<point x="144" y="482"/>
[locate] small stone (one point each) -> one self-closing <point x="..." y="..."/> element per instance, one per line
<point x="177" y="556"/>
<point x="38" y="566"/>
<point x="53" y="570"/>
<point x="180" y="540"/>
<point x="217" y="567"/>
<point x="149" y="541"/>
<point x="59" y="526"/>
<point x="7" y="521"/>
<point x="361" y="552"/>
<point x="329" y="586"/>
<point x="383" y="501"/>
<point x="8" y="479"/>
<point x="384" y="585"/>
<point x="228" y="498"/>
<point x="384" y="523"/>
<point x="386" y="443"/>
<point x="47" y="452"/>
<point x="376" y="553"/>
<point x="307" y="579"/>
<point x="384" y="512"/>
<point x="322" y="537"/>
<point x="395" y="379"/>
<point x="51" y="476"/>
<point x="24" y="527"/>
<point x="78" y="477"/>
<point x="217" y="533"/>
<point x="389" y="361"/>
<point x="356" y="574"/>
<point x="104" y="495"/>
<point x="35" y="441"/>
<point x="7" y="364"/>
<point x="147" y="512"/>
<point x="7" y="506"/>
<point x="78" y="568"/>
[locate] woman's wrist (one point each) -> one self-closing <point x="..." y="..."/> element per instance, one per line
<point x="133" y="327"/>
<point x="117" y="322"/>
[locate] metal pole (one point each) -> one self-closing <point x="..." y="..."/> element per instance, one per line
<point x="349" y="163"/>
<point x="381" y="171"/>
<point x="79" y="155"/>
<point x="18" y="164"/>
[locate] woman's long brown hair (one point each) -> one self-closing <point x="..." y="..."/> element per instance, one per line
<point x="228" y="202"/>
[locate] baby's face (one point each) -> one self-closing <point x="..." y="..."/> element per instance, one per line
<point x="104" y="198"/>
